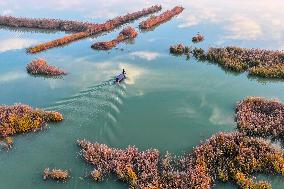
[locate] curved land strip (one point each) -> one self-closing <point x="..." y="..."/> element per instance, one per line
<point x="45" y="24"/>
<point x="40" y="67"/>
<point x="156" y="20"/>
<point x="226" y="157"/>
<point x="21" y="118"/>
<point x="125" y="34"/>
<point x="98" y="28"/>
<point x="261" y="117"/>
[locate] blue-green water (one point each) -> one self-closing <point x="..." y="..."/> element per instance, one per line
<point x="167" y="102"/>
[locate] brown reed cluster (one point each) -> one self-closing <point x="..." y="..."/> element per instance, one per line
<point x="40" y="67"/>
<point x="55" y="174"/>
<point x="261" y="117"/>
<point x="46" y="24"/>
<point x="21" y="118"/>
<point x="156" y="20"/>
<point x="180" y="49"/>
<point x="258" y="62"/>
<point x="227" y="157"/>
<point x="95" y="29"/>
<point x="198" y="38"/>
<point x="123" y="163"/>
<point x="125" y="34"/>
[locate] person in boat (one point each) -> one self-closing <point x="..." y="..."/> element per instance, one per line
<point x="123" y="72"/>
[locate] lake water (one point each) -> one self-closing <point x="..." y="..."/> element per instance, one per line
<point x="167" y="102"/>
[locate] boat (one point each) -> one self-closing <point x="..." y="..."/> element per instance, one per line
<point x="119" y="78"/>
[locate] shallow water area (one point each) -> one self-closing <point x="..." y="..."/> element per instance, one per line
<point x="166" y="102"/>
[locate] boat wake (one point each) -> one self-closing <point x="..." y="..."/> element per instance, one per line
<point x="96" y="104"/>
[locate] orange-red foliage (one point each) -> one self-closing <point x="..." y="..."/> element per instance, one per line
<point x="23" y="118"/>
<point x="40" y="67"/>
<point x="126" y="33"/>
<point x="155" y="20"/>
<point x="58" y="42"/>
<point x="95" y="29"/>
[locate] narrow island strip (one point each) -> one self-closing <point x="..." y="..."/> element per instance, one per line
<point x="125" y="34"/>
<point x="156" y="20"/>
<point x="98" y="28"/>
<point x="45" y="24"/>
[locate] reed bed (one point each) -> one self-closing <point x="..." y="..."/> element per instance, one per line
<point x="227" y="157"/>
<point x="45" y="24"/>
<point x="261" y="117"/>
<point x="179" y="49"/>
<point x="125" y="34"/>
<point x="258" y="62"/>
<point x="40" y="67"/>
<point x="198" y="38"/>
<point x="56" y="174"/>
<point x="98" y="28"/>
<point x="156" y="20"/>
<point x="21" y="118"/>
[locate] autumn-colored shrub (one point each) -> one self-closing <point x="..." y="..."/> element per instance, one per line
<point x="40" y="67"/>
<point x="261" y="117"/>
<point x="56" y="174"/>
<point x="197" y="38"/>
<point x="155" y="20"/>
<point x="95" y="29"/>
<point x="225" y="157"/>
<point x="23" y="118"/>
<point x="126" y="33"/>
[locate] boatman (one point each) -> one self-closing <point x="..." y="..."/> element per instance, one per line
<point x="123" y="72"/>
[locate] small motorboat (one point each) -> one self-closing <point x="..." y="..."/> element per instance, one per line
<point x="120" y="78"/>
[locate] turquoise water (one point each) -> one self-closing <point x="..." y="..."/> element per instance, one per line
<point x="167" y="102"/>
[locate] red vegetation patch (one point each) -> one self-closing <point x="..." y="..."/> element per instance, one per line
<point x="260" y="117"/>
<point x="155" y="20"/>
<point x="225" y="157"/>
<point x="58" y="42"/>
<point x="56" y="174"/>
<point x="198" y="38"/>
<point x="126" y="33"/>
<point x="95" y="29"/>
<point x="23" y="118"/>
<point x="40" y="67"/>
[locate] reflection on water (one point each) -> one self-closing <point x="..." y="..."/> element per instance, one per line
<point x="166" y="102"/>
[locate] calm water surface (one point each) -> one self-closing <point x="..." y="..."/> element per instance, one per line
<point x="167" y="102"/>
